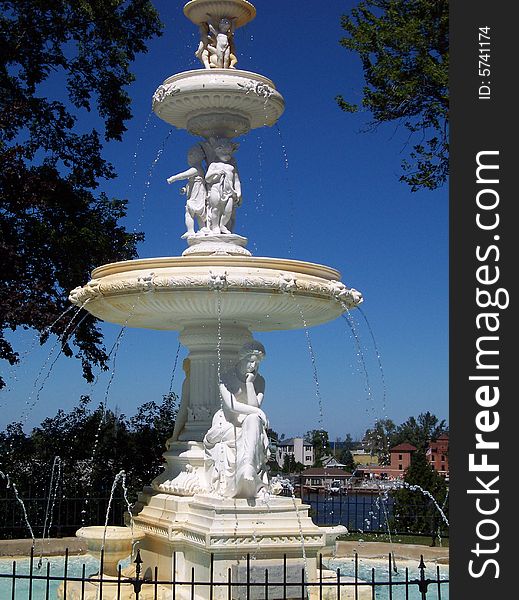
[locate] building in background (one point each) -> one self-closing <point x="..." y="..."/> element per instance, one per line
<point x="300" y="449"/>
<point x="438" y="455"/>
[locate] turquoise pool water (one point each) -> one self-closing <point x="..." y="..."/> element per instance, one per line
<point x="39" y="588"/>
<point x="382" y="573"/>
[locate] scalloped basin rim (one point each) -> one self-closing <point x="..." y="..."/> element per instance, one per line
<point x="278" y="264"/>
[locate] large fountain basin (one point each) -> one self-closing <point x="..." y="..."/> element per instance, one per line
<point x="212" y="102"/>
<point x="262" y="294"/>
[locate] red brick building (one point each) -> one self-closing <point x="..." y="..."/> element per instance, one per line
<point x="438" y="455"/>
<point x="401" y="457"/>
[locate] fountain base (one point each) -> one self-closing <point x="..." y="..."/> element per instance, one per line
<point x="207" y="535"/>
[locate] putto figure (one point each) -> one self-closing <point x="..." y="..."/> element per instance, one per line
<point x="195" y="191"/>
<point x="216" y="49"/>
<point x="223" y="185"/>
<point x="236" y="445"/>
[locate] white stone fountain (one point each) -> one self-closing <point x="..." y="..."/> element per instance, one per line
<point x="214" y="496"/>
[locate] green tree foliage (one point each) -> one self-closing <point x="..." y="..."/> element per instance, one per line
<point x="321" y="444"/>
<point x="378" y="440"/>
<point x="414" y="511"/>
<point x="93" y="447"/>
<point x="403" y="47"/>
<point x="61" y="60"/>
<point x="419" y="431"/>
<point x="291" y="465"/>
<point x="346" y="458"/>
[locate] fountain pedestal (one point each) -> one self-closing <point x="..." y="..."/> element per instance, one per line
<point x="208" y="535"/>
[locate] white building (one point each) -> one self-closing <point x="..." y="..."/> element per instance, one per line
<point x="302" y="450"/>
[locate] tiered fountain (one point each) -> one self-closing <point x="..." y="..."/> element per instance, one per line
<point x="214" y="496"/>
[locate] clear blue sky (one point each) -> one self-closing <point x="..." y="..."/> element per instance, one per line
<point x="315" y="189"/>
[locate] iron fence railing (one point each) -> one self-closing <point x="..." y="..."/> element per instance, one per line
<point x="41" y="584"/>
<point x="64" y="517"/>
<point x="371" y="512"/>
<point x="367" y="512"/>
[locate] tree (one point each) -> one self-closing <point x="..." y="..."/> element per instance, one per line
<point x="415" y="511"/>
<point x="403" y="47"/>
<point x="321" y="444"/>
<point x="419" y="431"/>
<point x="54" y="229"/>
<point x="93" y="447"/>
<point x="291" y="465"/>
<point x="346" y="458"/>
<point x="378" y="440"/>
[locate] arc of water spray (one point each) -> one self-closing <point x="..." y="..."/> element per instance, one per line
<point x="114" y="350"/>
<point x="135" y="154"/>
<point x="290" y="192"/>
<point x="379" y="359"/>
<point x="45" y="331"/>
<point x="53" y="491"/>
<point x="174" y="370"/>
<point x="66" y="337"/>
<point x="11" y="485"/>
<point x="147" y="183"/>
<point x="314" y="364"/>
<point x="360" y="354"/>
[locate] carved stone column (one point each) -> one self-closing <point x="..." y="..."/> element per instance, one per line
<point x="208" y="355"/>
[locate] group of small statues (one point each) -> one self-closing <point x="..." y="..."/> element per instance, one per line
<point x="213" y="190"/>
<point x="216" y="49"/>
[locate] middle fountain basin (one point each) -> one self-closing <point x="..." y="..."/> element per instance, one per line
<point x="172" y="293"/>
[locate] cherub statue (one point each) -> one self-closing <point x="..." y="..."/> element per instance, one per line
<point x="195" y="191"/>
<point x="202" y="52"/>
<point x="223" y="185"/>
<point x="221" y="47"/>
<point x="236" y="446"/>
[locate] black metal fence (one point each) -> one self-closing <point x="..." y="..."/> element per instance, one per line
<point x="370" y="512"/>
<point x="61" y="518"/>
<point x="39" y="583"/>
<point x="367" y="512"/>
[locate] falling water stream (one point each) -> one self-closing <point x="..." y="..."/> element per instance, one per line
<point x="149" y="177"/>
<point x="55" y="477"/>
<point x="113" y="352"/>
<point x="174" y="370"/>
<point x="11" y="485"/>
<point x="379" y="359"/>
<point x="290" y="194"/>
<point x="30" y="405"/>
<point x="314" y="364"/>
<point x="360" y="354"/>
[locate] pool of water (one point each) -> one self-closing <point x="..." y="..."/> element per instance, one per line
<point x="383" y="570"/>
<point x="41" y="589"/>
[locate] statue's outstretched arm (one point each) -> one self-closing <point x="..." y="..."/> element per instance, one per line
<point x="184" y="175"/>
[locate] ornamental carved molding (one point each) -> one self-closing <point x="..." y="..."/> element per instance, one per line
<point x="216" y="281"/>
<point x="265" y="540"/>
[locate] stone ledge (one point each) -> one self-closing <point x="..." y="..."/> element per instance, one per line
<point x="52" y="547"/>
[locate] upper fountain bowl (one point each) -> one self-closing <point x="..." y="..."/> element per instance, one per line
<point x="262" y="294"/>
<point x="241" y="11"/>
<point x="218" y="102"/>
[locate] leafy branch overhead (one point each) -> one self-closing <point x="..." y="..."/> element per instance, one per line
<point x="404" y="51"/>
<point x="62" y="59"/>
